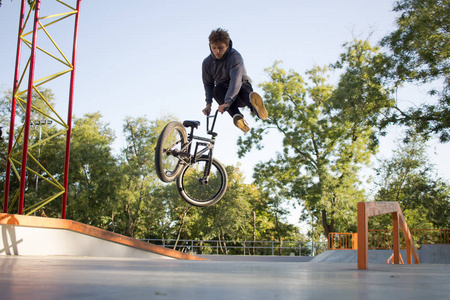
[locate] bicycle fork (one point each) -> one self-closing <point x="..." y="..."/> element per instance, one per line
<point x="204" y="180"/>
<point x="209" y="146"/>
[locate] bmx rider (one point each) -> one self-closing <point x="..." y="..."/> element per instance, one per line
<point x="225" y="79"/>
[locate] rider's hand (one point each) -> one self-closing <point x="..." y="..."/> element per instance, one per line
<point x="207" y="110"/>
<point x="224" y="107"/>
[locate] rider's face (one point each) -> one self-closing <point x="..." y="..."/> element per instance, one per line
<point x="219" y="49"/>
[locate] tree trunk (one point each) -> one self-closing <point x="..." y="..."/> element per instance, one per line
<point x="220" y="243"/>
<point x="327" y="227"/>
<point x="130" y="224"/>
<point x="278" y="233"/>
<point x="179" y="233"/>
<point x="200" y="251"/>
<point x="183" y="219"/>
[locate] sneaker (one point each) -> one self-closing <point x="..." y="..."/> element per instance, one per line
<point x="240" y="123"/>
<point x="258" y="105"/>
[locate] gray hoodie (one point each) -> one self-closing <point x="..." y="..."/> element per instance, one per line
<point x="229" y="70"/>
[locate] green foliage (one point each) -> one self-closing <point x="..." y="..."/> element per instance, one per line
<point x="361" y="96"/>
<point x="419" y="53"/>
<point x="93" y="171"/>
<point x="327" y="135"/>
<point x="136" y="202"/>
<point x="421" y="44"/>
<point x="408" y="178"/>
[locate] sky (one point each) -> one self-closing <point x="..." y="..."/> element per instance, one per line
<point x="143" y="58"/>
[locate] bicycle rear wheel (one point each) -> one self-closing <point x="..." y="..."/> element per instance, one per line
<point x="170" y="142"/>
<point x="198" y="193"/>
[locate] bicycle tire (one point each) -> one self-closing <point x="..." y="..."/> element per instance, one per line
<point x="198" y="194"/>
<point x="172" y="137"/>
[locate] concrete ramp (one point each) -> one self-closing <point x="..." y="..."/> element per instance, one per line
<point x="27" y="235"/>
<point x="435" y="254"/>
<point x="429" y="254"/>
<point x="351" y="256"/>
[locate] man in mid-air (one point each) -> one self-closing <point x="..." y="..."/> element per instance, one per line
<point x="225" y="79"/>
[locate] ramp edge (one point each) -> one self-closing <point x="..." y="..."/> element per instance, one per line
<point x="41" y="222"/>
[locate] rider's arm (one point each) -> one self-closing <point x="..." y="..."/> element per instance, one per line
<point x="208" y="82"/>
<point x="236" y="72"/>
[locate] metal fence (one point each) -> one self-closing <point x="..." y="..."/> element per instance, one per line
<point x="382" y="238"/>
<point x="273" y="248"/>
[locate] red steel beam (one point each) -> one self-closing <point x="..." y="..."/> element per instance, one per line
<point x="28" y="110"/>
<point x="13" y="108"/>
<point x="69" y="114"/>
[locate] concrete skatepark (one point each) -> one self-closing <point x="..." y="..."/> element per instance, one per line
<point x="57" y="277"/>
<point x="44" y="258"/>
<point x="61" y="259"/>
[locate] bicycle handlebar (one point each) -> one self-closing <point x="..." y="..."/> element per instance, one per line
<point x="210" y="131"/>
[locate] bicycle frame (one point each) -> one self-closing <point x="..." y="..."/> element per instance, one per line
<point x="207" y="143"/>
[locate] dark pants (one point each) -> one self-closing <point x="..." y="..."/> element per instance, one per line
<point x="242" y="98"/>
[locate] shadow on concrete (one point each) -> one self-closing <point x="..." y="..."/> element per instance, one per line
<point x="9" y="240"/>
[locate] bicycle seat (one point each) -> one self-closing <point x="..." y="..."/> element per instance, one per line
<point x="193" y="124"/>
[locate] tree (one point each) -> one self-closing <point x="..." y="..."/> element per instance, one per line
<point x="328" y="134"/>
<point x="419" y="51"/>
<point x="136" y="198"/>
<point x="94" y="175"/>
<point x="408" y="178"/>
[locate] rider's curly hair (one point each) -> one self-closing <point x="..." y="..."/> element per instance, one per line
<point x="219" y="35"/>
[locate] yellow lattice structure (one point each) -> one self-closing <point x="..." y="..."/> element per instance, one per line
<point x="24" y="93"/>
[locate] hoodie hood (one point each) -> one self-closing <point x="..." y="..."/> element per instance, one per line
<point x="227" y="53"/>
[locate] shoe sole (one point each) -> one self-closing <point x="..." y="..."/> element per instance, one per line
<point x="258" y="104"/>
<point x="241" y="124"/>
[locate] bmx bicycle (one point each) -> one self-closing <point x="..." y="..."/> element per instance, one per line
<point x="200" y="178"/>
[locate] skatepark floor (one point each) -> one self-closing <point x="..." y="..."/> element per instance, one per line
<point x="71" y="277"/>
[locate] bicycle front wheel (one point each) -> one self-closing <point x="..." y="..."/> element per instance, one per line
<point x="195" y="191"/>
<point x="170" y="143"/>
